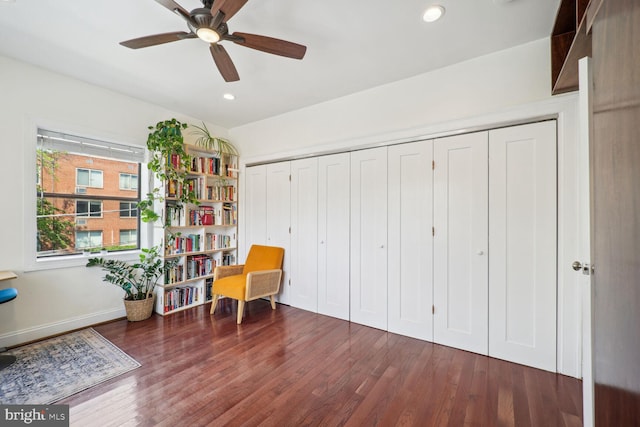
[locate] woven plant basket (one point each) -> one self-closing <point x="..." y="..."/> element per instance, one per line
<point x="139" y="309"/>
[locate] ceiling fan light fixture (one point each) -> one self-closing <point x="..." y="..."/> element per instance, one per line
<point x="208" y="35"/>
<point x="229" y="96"/>
<point x="433" y="13"/>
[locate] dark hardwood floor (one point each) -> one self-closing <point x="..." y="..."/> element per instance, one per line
<point x="289" y="367"/>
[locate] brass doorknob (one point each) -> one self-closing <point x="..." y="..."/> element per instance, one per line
<point x="577" y="265"/>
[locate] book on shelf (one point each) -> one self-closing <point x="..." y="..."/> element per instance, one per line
<point x="174" y="215"/>
<point x="199" y="265"/>
<point x="181" y="297"/>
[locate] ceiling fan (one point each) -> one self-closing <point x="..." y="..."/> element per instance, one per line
<point x="209" y="23"/>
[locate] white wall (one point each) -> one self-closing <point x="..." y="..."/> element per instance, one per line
<point x="486" y="84"/>
<point x="57" y="300"/>
<point x="508" y="86"/>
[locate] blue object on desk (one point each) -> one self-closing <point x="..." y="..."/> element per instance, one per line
<point x="7" y="295"/>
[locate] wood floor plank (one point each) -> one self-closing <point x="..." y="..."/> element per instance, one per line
<point x="289" y="367"/>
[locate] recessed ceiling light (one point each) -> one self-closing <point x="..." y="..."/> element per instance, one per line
<point x="433" y="13"/>
<point x="229" y="96"/>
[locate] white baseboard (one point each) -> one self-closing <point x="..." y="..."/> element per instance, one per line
<point x="38" y="332"/>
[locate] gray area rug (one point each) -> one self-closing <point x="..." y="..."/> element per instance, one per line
<point x="50" y="370"/>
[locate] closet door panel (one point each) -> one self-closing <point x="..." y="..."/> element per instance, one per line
<point x="255" y="205"/>
<point x="461" y="242"/>
<point x="523" y="241"/>
<point x="304" y="234"/>
<point x="410" y="241"/>
<point x="333" y="235"/>
<point x="369" y="237"/>
<point x="278" y="214"/>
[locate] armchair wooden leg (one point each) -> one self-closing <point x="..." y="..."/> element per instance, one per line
<point x="214" y="303"/>
<point x="240" y="311"/>
<point x="273" y="302"/>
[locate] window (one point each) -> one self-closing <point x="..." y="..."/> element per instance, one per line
<point x="128" y="181"/>
<point x="129" y="237"/>
<point x="89" y="178"/>
<point x="89" y="240"/>
<point x="92" y="208"/>
<point x="70" y="165"/>
<point x="128" y="210"/>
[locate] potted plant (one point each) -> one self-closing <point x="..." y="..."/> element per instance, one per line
<point x="137" y="279"/>
<point x="169" y="162"/>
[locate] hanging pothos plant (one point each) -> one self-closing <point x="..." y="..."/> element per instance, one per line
<point x="169" y="162"/>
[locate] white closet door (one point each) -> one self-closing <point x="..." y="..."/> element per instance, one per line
<point x="304" y="234"/>
<point x="369" y="237"/>
<point x="522" y="212"/>
<point x="333" y="235"/>
<point x="255" y="206"/>
<point x="410" y="241"/>
<point x="278" y="214"/>
<point x="460" y="244"/>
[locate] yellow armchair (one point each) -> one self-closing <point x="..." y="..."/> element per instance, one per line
<point x="258" y="277"/>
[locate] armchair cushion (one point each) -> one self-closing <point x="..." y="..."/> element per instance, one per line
<point x="231" y="286"/>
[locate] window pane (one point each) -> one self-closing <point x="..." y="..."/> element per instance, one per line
<point x="95" y="208"/>
<point x="82" y="177"/>
<point x="88" y="239"/>
<point x="84" y="206"/>
<point x="96" y="178"/>
<point x="128" y="237"/>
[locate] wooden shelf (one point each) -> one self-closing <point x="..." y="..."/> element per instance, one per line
<point x="570" y="41"/>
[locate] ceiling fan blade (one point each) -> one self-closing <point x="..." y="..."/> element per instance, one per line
<point x="270" y="45"/>
<point x="229" y="7"/>
<point x="157" y="39"/>
<point x="173" y="7"/>
<point x="215" y="7"/>
<point x="224" y="63"/>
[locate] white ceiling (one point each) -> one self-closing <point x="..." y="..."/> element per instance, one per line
<point x="351" y="46"/>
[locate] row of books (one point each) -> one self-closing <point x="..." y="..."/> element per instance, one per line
<point x="180" y="297"/>
<point x="195" y="243"/>
<point x="214" y="165"/>
<point x="189" y="243"/>
<point x="209" y="215"/>
<point x="199" y="265"/>
<point x="225" y="193"/>
<point x="228" y="259"/>
<point x="174" y="216"/>
<point x="175" y="274"/>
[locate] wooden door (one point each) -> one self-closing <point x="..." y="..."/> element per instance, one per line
<point x="278" y="214"/>
<point x="304" y="234"/>
<point x="460" y="260"/>
<point x="333" y="235"/>
<point x="523" y="242"/>
<point x="615" y="212"/>
<point x="410" y="288"/>
<point x="369" y="237"/>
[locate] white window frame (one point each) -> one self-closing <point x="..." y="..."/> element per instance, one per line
<point x="91" y="172"/>
<point x="31" y="261"/>
<point x="88" y="215"/>
<point x="90" y="232"/>
<point x="128" y="231"/>
<point x="132" y="177"/>
<point x="131" y="209"/>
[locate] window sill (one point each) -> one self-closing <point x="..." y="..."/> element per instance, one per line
<point x="69" y="261"/>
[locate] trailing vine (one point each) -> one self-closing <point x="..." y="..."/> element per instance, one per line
<point x="169" y="162"/>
